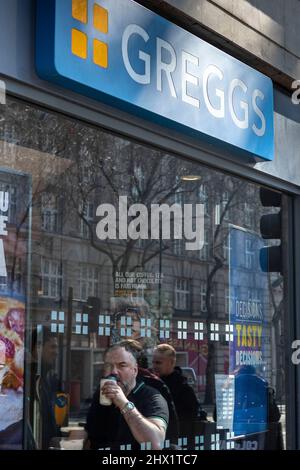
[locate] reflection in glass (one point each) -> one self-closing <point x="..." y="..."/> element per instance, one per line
<point x="142" y="280"/>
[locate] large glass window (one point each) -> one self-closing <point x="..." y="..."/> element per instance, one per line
<point x="111" y="240"/>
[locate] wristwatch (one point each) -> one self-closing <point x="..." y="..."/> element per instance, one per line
<point x="128" y="407"/>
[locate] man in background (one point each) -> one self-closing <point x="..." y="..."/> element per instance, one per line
<point x="186" y="402"/>
<point x="45" y="386"/>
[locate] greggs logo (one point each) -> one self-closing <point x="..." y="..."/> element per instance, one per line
<point x="98" y="24"/>
<point x="124" y="55"/>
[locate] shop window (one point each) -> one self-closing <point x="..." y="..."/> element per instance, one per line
<point x="204" y="198"/>
<point x="178" y="247"/>
<point x="226" y="206"/>
<point x="49" y="213"/>
<point x="138" y="185"/>
<point x="96" y="291"/>
<point x="51" y="276"/>
<point x="204" y="252"/>
<point x="87" y="217"/>
<point x="179" y="193"/>
<point x="88" y="281"/>
<point x="226" y="249"/>
<point x="203" y="296"/>
<point x="249" y="214"/>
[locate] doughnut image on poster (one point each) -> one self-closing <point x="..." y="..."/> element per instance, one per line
<point x="12" y="330"/>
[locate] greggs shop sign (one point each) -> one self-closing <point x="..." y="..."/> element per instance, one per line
<point x="123" y="54"/>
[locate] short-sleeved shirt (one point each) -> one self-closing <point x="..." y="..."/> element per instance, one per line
<point x="106" y="426"/>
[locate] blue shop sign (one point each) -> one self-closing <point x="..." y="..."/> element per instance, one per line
<point x="128" y="56"/>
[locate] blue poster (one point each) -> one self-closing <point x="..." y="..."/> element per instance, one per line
<point x="248" y="322"/>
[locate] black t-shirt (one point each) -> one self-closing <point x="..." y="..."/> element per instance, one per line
<point x="106" y="426"/>
<point x="154" y="381"/>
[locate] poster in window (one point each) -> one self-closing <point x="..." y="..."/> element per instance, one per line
<point x="14" y="243"/>
<point x="248" y="353"/>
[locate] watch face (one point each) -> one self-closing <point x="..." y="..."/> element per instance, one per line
<point x="128" y="407"/>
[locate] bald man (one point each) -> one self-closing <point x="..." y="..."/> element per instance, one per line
<point x="186" y="402"/>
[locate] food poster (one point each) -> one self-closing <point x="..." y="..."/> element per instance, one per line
<point x="14" y="210"/>
<point x="248" y="326"/>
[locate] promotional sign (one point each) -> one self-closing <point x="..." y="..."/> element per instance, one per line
<point x="248" y="360"/>
<point x="128" y="56"/>
<point x="14" y="207"/>
<point x="248" y="288"/>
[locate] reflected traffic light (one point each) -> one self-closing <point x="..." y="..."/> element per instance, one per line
<point x="270" y="227"/>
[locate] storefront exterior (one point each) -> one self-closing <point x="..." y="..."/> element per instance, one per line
<point x="135" y="160"/>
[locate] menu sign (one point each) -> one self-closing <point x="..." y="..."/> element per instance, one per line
<point x="14" y="207"/>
